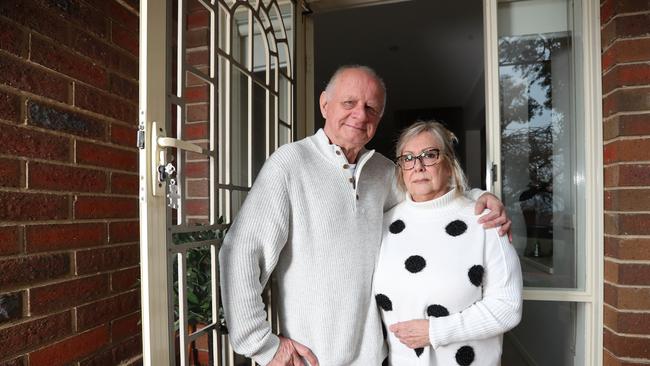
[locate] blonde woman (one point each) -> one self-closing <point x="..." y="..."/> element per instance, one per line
<point x="446" y="287"/>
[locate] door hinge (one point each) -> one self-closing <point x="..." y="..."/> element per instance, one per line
<point x="140" y="139"/>
<point x="494" y="173"/>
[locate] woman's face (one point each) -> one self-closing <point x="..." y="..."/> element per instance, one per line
<point x="425" y="183"/>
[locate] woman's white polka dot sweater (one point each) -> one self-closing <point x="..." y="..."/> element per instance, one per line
<point x="436" y="262"/>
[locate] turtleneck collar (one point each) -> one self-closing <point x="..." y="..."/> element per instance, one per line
<point x="449" y="200"/>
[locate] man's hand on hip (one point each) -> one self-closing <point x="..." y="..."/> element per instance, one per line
<point x="291" y="353"/>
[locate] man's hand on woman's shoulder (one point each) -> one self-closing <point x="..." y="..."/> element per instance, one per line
<point x="497" y="215"/>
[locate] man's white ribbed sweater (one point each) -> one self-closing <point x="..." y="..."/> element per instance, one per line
<point x="319" y="228"/>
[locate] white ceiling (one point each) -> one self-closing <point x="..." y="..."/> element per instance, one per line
<point x="429" y="52"/>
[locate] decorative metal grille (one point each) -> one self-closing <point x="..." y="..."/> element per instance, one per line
<point x="231" y="97"/>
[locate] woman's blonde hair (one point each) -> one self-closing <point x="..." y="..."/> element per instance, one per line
<point x="447" y="140"/>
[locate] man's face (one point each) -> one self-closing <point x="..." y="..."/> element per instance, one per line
<point x="353" y="108"/>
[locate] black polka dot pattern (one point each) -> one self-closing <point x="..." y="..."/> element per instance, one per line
<point x="396" y="227"/>
<point x="465" y="355"/>
<point x="456" y="227"/>
<point x="415" y="263"/>
<point x="385" y="363"/>
<point x="383" y="331"/>
<point x="384" y="302"/>
<point x="475" y="275"/>
<point x="437" y="311"/>
<point x="418" y="351"/>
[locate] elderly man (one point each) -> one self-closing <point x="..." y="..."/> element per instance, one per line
<point x="314" y="215"/>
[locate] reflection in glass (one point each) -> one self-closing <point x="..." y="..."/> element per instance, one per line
<point x="538" y="152"/>
<point x="239" y="40"/>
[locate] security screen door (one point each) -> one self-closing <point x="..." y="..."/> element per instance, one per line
<point x="218" y="84"/>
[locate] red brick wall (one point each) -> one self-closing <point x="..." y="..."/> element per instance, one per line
<point x="625" y="32"/>
<point x="68" y="183"/>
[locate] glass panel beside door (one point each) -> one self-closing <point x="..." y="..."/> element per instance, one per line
<point x="538" y="139"/>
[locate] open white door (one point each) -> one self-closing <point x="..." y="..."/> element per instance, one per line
<point x="218" y="91"/>
<point x="544" y="161"/>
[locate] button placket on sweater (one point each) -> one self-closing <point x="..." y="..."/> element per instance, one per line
<point x="345" y="166"/>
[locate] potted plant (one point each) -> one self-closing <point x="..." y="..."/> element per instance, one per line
<point x="198" y="291"/>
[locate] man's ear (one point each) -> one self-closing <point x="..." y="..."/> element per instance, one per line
<point x="323" y="104"/>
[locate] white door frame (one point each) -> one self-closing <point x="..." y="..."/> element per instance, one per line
<point x="588" y="46"/>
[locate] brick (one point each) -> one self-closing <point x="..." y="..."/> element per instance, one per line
<point x="20" y="337"/>
<point x="96" y="101"/>
<point x="11" y="306"/>
<point x="32" y="206"/>
<point x="19" y="141"/>
<point x="627" y="200"/>
<point x="23" y="76"/>
<point x="10" y="172"/>
<point x="627" y="224"/>
<point x="58" y="119"/>
<point x="126" y="327"/>
<point x="123" y="87"/>
<point x="20" y="361"/>
<point x="124" y="183"/>
<point x="198" y="188"/>
<point x="9" y="107"/>
<point x="116" y="355"/>
<point x="627" y="273"/>
<point x="632" y="248"/>
<point x="33" y="16"/>
<point x="105" y="310"/>
<point x="195" y="94"/>
<point x="9" y="240"/>
<point x="123" y="135"/>
<point x="13" y="39"/>
<point x="124" y="231"/>
<point x="197" y="57"/>
<point x="60" y="59"/>
<point x="106" y="156"/>
<point x="197" y="207"/>
<point x="50" y="237"/>
<point x="627" y="175"/>
<point x="196" y="131"/>
<point x="104" y="259"/>
<point x="197" y="113"/>
<point x="198" y="18"/>
<point x="626" y="75"/>
<point x="625" y="346"/>
<point x="197" y="169"/>
<point x="124" y="17"/>
<point x="625" y="322"/>
<point x="125" y="279"/>
<point x="126" y="39"/>
<point x="71" y="349"/>
<point x="627" y="150"/>
<point x="105" y="207"/>
<point x="610" y="360"/>
<point x="626" y="100"/>
<point x="105" y="54"/>
<point x="81" y="14"/>
<point x="65" y="178"/>
<point x="197" y="38"/>
<point x="627" y="125"/>
<point x="607" y="8"/>
<point x="627" y="50"/>
<point x="627" y="298"/>
<point x="32" y="269"/>
<point x="636" y="25"/>
<point x="48" y="298"/>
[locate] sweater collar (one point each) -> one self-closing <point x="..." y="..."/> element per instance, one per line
<point x="446" y="201"/>
<point x="329" y="150"/>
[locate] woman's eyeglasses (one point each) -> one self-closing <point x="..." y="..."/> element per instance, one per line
<point x="427" y="157"/>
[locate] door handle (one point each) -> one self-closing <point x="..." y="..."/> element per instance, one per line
<point x="159" y="142"/>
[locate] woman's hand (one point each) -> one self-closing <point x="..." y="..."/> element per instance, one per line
<point x="413" y="333"/>
<point x="497" y="216"/>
